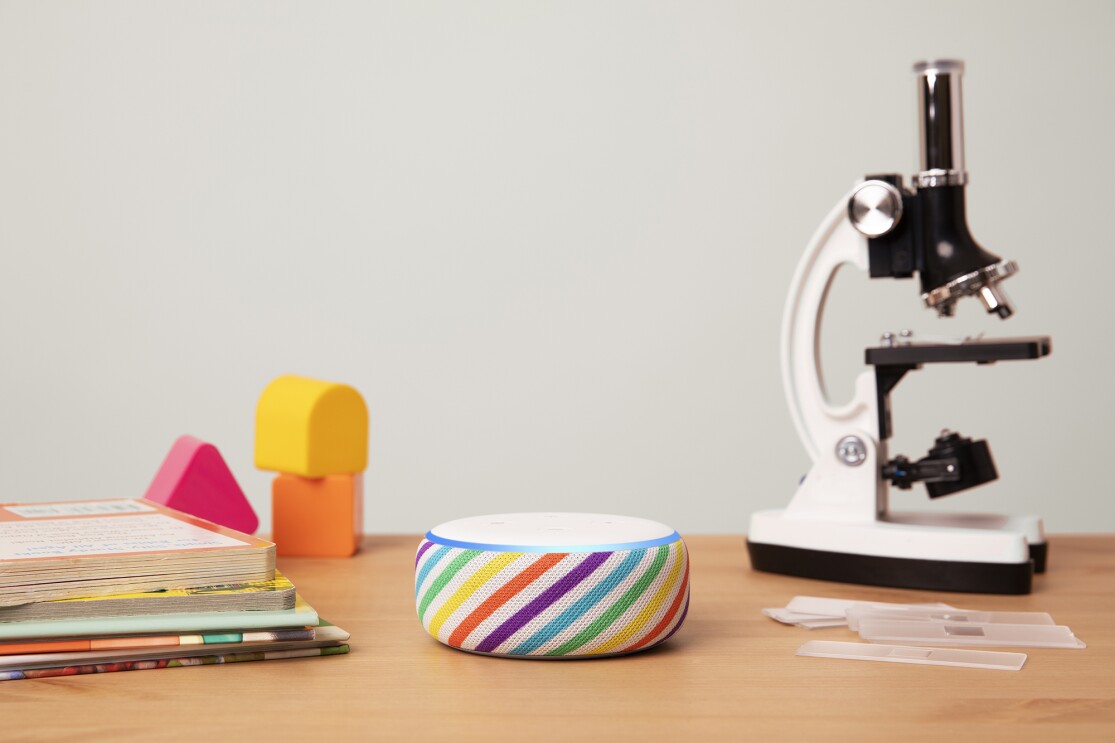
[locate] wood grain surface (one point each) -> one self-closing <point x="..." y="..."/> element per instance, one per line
<point x="729" y="673"/>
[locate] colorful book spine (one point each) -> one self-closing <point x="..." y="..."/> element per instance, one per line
<point x="146" y="665"/>
<point x="150" y="641"/>
<point x="302" y="615"/>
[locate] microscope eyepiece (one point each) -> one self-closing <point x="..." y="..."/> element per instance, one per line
<point x="940" y="124"/>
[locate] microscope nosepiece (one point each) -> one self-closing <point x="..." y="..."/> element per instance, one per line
<point x="982" y="283"/>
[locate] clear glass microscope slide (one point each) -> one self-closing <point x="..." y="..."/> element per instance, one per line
<point x="827" y="607"/>
<point x="921" y="656"/>
<point x="807" y="621"/>
<point x="968" y="634"/>
<point x="859" y="612"/>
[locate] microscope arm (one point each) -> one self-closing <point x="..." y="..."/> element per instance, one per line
<point x="818" y="421"/>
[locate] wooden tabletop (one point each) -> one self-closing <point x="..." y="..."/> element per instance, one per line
<point x="728" y="674"/>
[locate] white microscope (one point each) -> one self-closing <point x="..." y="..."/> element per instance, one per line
<point x="839" y="525"/>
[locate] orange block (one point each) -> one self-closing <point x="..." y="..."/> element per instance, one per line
<point x="321" y="517"/>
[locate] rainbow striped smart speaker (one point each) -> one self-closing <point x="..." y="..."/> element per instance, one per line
<point x="551" y="585"/>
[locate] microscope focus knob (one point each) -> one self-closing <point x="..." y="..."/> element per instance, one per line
<point x="875" y="208"/>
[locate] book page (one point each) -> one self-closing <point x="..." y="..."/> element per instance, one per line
<point x="24" y="540"/>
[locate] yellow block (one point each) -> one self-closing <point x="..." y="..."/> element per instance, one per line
<point x="311" y="428"/>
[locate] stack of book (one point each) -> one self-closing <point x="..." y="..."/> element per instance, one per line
<point x="121" y="585"/>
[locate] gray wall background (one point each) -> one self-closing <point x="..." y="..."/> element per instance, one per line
<point x="549" y="242"/>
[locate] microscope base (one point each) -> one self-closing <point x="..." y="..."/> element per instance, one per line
<point x="985" y="553"/>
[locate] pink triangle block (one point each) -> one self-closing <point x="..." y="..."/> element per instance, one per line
<point x="195" y="479"/>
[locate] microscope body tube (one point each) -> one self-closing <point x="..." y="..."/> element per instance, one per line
<point x="952" y="264"/>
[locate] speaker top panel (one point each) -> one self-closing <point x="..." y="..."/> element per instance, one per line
<point x="552" y="532"/>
